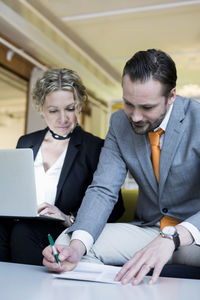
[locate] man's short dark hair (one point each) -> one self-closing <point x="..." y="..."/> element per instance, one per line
<point x="154" y="64"/>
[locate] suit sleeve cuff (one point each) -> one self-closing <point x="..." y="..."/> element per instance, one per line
<point x="193" y="230"/>
<point x="84" y="237"/>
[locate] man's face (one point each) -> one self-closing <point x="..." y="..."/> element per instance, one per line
<point x="144" y="103"/>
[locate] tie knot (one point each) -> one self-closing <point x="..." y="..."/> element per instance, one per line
<point x="154" y="136"/>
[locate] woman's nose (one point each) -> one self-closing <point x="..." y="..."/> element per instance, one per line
<point x="63" y="116"/>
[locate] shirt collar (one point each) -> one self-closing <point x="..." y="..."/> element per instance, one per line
<point x="164" y="122"/>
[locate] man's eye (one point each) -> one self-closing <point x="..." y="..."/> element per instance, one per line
<point x="52" y="111"/>
<point x="128" y="104"/>
<point x="147" y="107"/>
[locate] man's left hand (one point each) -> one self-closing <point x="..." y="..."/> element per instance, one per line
<point x="154" y="256"/>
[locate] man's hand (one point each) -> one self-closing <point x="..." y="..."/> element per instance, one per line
<point x="155" y="255"/>
<point x="69" y="256"/>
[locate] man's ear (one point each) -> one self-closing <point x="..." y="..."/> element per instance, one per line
<point x="172" y="96"/>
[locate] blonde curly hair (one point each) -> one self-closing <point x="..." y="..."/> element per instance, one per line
<point x="59" y="79"/>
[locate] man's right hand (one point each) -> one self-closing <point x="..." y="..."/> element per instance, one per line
<point x="69" y="256"/>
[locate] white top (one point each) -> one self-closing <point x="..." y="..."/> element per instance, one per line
<point x="46" y="182"/>
<point x="87" y="238"/>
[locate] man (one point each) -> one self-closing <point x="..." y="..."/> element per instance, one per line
<point x="150" y="104"/>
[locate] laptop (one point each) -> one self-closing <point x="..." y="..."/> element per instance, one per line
<point x="17" y="185"/>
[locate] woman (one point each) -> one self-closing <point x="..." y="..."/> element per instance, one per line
<point x="65" y="158"/>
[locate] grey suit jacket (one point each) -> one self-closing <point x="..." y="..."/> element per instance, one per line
<point x="178" y="192"/>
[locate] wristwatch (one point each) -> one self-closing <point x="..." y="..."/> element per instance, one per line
<point x="72" y="218"/>
<point x="170" y="232"/>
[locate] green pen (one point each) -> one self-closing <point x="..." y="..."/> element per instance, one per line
<point x="55" y="253"/>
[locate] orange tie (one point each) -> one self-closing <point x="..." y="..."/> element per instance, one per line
<point x="154" y="138"/>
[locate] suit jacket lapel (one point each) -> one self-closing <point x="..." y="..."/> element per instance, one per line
<point x="37" y="141"/>
<point x="72" y="151"/>
<point x="172" y="138"/>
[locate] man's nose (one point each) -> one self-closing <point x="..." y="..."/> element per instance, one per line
<point x="136" y="116"/>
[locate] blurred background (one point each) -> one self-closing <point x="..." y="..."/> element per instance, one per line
<point x="95" y="38"/>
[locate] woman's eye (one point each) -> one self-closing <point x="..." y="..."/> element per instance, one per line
<point x="71" y="109"/>
<point x="52" y="111"/>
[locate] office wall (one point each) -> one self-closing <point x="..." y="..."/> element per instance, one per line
<point x="34" y="121"/>
<point x="97" y="121"/>
<point x="14" y="77"/>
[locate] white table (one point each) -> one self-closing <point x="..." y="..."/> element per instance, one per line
<point x="26" y="282"/>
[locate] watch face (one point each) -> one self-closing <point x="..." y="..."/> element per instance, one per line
<point x="169" y="230"/>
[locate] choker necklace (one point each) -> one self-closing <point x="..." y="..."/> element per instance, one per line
<point x="60" y="137"/>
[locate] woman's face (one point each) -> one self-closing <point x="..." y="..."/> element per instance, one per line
<point x="59" y="111"/>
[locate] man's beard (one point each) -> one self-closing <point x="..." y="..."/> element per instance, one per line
<point x="144" y="127"/>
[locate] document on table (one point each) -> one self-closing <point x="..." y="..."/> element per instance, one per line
<point x="91" y="272"/>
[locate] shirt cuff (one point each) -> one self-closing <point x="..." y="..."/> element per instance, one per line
<point x="193" y="230"/>
<point x="84" y="237"/>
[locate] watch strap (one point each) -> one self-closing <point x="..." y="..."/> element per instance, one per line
<point x="176" y="240"/>
<point x="174" y="237"/>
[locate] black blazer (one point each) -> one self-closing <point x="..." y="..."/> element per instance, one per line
<point x="77" y="172"/>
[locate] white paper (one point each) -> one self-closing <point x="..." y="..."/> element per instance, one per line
<point x="91" y="272"/>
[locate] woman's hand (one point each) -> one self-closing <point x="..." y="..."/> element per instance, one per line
<point x="52" y="211"/>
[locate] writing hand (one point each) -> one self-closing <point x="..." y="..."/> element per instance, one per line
<point x="69" y="256"/>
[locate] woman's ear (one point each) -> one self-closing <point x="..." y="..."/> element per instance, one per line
<point x="79" y="108"/>
<point x="40" y="111"/>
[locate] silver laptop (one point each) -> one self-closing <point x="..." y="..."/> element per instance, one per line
<point x="17" y="185"/>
